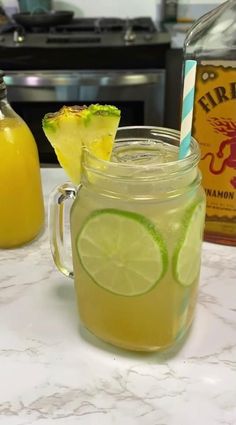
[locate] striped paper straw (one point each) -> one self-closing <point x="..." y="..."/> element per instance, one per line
<point x="187" y="108"/>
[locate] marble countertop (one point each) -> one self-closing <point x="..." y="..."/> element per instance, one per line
<point x="53" y="372"/>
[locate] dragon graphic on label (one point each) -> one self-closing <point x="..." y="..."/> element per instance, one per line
<point x="226" y="127"/>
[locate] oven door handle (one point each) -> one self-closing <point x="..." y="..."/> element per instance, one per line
<point x="85" y="78"/>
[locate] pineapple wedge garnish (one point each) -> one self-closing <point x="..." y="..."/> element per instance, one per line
<point x="73" y="128"/>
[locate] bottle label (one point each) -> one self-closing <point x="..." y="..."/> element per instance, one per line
<point x="214" y="127"/>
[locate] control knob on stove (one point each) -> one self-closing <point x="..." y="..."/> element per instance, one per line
<point x="129" y="35"/>
<point x="18" y="35"/>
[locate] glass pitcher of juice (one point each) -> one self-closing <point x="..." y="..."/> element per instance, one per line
<point x="21" y="206"/>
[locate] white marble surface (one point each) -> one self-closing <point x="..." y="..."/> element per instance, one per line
<point x="53" y="372"/>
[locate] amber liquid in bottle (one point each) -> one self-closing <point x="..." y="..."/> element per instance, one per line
<point x="212" y="43"/>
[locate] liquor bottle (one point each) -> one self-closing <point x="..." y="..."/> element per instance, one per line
<point x="212" y="43"/>
<point x="21" y="203"/>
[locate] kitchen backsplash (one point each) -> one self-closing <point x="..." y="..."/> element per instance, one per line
<point x="121" y="8"/>
<point x="187" y="9"/>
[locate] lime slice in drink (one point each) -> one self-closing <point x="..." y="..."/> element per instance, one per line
<point x="122" y="251"/>
<point x="187" y="255"/>
<point x="73" y="128"/>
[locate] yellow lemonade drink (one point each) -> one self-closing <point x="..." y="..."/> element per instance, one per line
<point x="136" y="229"/>
<point x="21" y="208"/>
<point x="136" y="225"/>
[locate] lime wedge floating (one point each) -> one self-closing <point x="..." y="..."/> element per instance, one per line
<point x="187" y="255"/>
<point x="73" y="128"/>
<point x="122" y="251"/>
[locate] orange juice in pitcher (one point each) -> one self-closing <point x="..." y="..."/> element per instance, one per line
<point x="21" y="204"/>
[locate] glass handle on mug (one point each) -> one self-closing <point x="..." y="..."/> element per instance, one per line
<point x="59" y="227"/>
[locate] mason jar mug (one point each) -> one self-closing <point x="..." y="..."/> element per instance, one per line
<point x="136" y="225"/>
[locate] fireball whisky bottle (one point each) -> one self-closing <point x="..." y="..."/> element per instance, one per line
<point x="212" y="43"/>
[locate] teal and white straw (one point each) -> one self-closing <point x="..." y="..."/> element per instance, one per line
<point x="187" y="107"/>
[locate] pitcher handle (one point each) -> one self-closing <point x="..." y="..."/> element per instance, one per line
<point x="57" y="223"/>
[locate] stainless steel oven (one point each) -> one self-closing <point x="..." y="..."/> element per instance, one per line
<point x="139" y="95"/>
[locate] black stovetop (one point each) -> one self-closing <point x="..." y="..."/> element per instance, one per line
<point x="84" y="43"/>
<point x="96" y="25"/>
<point x="101" y="25"/>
